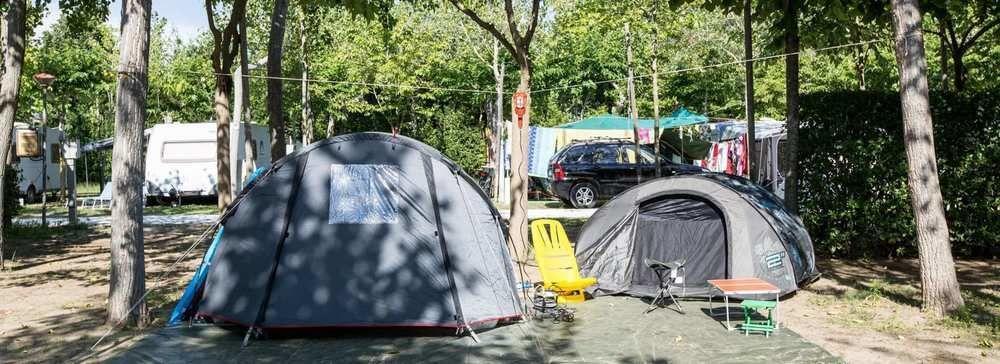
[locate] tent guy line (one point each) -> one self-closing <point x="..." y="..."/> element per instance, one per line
<point x="586" y="84"/>
<point x="170" y="269"/>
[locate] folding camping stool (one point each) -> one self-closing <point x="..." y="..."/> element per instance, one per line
<point x="670" y="275"/>
<point x="749" y="324"/>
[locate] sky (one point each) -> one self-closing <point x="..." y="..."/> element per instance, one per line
<point x="184" y="17"/>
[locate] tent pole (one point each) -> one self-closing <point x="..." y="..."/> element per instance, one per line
<point x="300" y="168"/>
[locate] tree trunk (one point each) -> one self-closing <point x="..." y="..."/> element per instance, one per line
<point x="330" y="127"/>
<point x="656" y="95"/>
<point x="791" y="10"/>
<point x="276" y="40"/>
<point x="499" y="170"/>
<point x="127" y="281"/>
<point x="937" y="269"/>
<point x="249" y="145"/>
<point x="943" y="50"/>
<point x="958" y="66"/>
<point x="519" y="167"/>
<point x="633" y="111"/>
<point x="223" y="90"/>
<point x="748" y="56"/>
<point x="307" y="119"/>
<point x="10" y="86"/>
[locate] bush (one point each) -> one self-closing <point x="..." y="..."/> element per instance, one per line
<point x="854" y="197"/>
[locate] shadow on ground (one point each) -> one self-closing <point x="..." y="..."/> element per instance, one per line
<point x="607" y="329"/>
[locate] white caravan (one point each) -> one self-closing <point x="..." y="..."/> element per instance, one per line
<point x="25" y="138"/>
<point x="180" y="158"/>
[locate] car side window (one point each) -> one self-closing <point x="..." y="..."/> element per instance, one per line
<point x="628" y="155"/>
<point x="606" y="154"/>
<point x="574" y="154"/>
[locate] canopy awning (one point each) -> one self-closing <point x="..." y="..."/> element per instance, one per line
<point x="679" y="117"/>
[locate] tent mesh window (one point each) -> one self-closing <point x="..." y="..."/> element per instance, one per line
<point x="363" y="194"/>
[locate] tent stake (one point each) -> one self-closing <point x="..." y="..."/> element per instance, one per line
<point x="472" y="333"/>
<point x="246" y="338"/>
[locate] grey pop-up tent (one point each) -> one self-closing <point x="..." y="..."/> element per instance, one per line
<point x="360" y="230"/>
<point x="723" y="226"/>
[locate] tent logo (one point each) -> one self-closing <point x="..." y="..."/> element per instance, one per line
<point x="773" y="260"/>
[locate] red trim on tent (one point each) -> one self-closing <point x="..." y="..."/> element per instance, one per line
<point x="368" y="325"/>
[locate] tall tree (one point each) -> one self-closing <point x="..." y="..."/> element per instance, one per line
<point x="225" y="48"/>
<point x="633" y="111"/>
<point x="518" y="43"/>
<point x="275" y="45"/>
<point x="790" y="18"/>
<point x="656" y="89"/>
<point x="243" y="110"/>
<point x="127" y="281"/>
<point x="307" y="116"/>
<point x="960" y="26"/>
<point x="748" y="64"/>
<point x="10" y="86"/>
<point x="937" y="269"/>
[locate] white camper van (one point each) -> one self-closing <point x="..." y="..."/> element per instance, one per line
<point x="180" y="158"/>
<point x="28" y="159"/>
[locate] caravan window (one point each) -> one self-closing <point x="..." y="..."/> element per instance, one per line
<point x="363" y="193"/>
<point x="188" y="151"/>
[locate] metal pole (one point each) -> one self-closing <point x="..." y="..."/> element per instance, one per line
<point x="71" y="184"/>
<point x="45" y="147"/>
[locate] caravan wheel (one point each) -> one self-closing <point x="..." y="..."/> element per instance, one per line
<point x="31" y="195"/>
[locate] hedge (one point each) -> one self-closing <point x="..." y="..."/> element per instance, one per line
<point x="854" y="198"/>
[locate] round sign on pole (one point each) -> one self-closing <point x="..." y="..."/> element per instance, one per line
<point x="520" y="102"/>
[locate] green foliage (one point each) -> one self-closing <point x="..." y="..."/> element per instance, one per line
<point x="854" y="197"/>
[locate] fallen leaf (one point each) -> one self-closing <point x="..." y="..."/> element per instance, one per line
<point x="678" y="339"/>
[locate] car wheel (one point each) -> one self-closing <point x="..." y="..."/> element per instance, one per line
<point x="583" y="195"/>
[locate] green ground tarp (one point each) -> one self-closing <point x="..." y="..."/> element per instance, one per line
<point x="606" y="330"/>
<point x="680" y="117"/>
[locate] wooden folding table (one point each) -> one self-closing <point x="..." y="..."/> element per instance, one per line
<point x="742" y="286"/>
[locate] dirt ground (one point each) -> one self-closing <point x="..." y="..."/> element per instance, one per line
<point x="869" y="312"/>
<point x="54" y="293"/>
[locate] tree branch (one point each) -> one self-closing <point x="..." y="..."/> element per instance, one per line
<point x="489" y="27"/>
<point x="534" y="22"/>
<point x="216" y="36"/>
<point x="968" y="43"/>
<point x="515" y="34"/>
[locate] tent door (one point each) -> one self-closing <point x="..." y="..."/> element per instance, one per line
<point x="681" y="227"/>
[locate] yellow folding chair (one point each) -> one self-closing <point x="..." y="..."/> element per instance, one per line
<point x="556" y="261"/>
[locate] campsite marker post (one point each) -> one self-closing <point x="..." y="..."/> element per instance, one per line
<point x="520" y="99"/>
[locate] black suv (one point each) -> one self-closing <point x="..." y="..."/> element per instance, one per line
<point x="584" y="172"/>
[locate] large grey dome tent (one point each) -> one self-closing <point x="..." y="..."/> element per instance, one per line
<point x="360" y="230"/>
<point x="723" y="226"/>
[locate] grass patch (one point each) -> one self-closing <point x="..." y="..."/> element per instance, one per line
<point x="38" y="232"/>
<point x="536" y="204"/>
<point x="980" y="316"/>
<point x="58" y="210"/>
